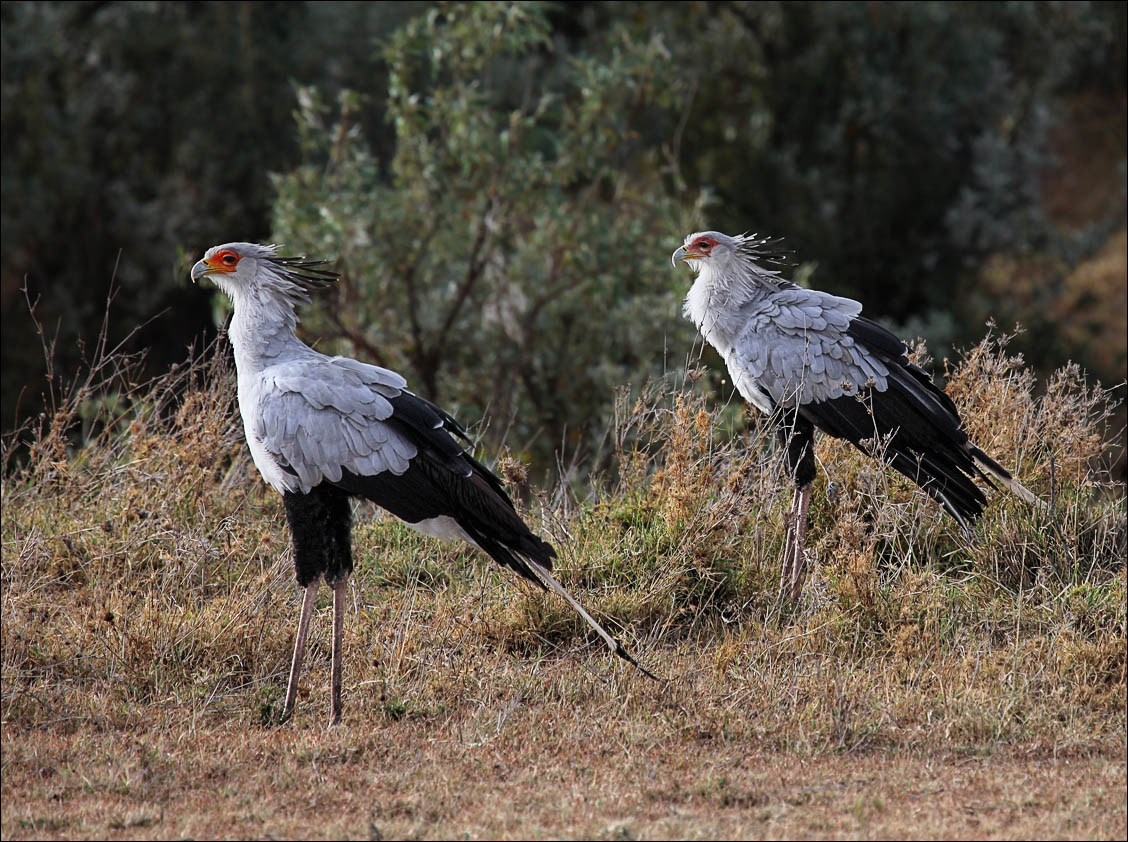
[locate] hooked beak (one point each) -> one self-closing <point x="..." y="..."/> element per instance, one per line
<point x="200" y="269"/>
<point x="682" y="253"/>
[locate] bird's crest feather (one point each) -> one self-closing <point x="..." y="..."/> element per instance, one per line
<point x="763" y="249"/>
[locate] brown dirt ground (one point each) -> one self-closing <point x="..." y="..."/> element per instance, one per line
<point x="378" y="778"/>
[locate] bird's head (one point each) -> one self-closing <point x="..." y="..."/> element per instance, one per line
<point x="238" y="268"/>
<point x="232" y="266"/>
<point x="724" y="254"/>
<point x="703" y="249"/>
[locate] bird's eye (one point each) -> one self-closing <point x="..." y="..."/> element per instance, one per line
<point x="229" y="259"/>
<point x="704" y="245"/>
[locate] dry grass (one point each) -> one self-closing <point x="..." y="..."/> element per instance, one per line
<point x="928" y="685"/>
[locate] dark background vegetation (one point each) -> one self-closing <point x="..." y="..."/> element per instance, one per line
<point x="503" y="184"/>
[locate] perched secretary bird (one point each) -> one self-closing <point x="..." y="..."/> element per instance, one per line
<point x="324" y="429"/>
<point x="811" y="360"/>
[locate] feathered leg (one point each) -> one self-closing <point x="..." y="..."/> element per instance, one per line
<point x="339" y="589"/>
<point x="299" y="648"/>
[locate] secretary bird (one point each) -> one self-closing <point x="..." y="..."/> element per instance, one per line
<point x="323" y="429"/>
<point x="810" y="359"/>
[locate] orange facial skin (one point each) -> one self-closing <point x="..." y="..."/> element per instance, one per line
<point x="222" y="261"/>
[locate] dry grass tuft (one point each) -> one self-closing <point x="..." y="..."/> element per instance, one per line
<point x="148" y="606"/>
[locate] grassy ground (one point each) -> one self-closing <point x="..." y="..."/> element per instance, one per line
<point x="928" y="685"/>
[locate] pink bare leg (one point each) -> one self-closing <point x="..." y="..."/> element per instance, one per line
<point x="799" y="562"/>
<point x="787" y="571"/>
<point x="299" y="649"/>
<point x="339" y="589"/>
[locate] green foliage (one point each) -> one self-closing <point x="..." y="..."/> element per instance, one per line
<point x="510" y="257"/>
<point x="542" y="161"/>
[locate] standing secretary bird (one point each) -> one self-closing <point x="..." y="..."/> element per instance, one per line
<point x="810" y="360"/>
<point x="324" y="429"/>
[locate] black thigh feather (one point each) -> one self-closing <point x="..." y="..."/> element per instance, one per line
<point x="319" y="525"/>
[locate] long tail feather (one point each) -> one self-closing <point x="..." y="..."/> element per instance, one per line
<point x="614" y="645"/>
<point x="997" y="471"/>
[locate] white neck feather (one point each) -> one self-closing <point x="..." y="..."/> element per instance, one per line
<point x="714" y="302"/>
<point x="262" y="327"/>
